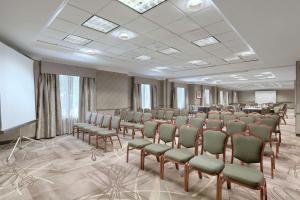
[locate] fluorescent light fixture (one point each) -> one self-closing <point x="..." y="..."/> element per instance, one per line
<point x="90" y="51"/>
<point x="206" y="41"/>
<point x="234" y="75"/>
<point x="243" y="79"/>
<point x="100" y="24"/>
<point x="245" y="53"/>
<point x="195" y="5"/>
<point x="197" y="62"/>
<point x="143" y="57"/>
<point x="258" y="75"/>
<point x="123" y="34"/>
<point x="77" y="40"/>
<point x="230" y="59"/>
<point x="266" y="73"/>
<point x="169" y="51"/>
<point x="162" y="67"/>
<point x="141" y="6"/>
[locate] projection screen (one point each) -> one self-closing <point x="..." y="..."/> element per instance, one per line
<point x="262" y="97"/>
<point x="17" y="95"/>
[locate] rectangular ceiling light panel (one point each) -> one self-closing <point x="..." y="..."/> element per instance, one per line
<point x="100" y="24"/>
<point x="206" y="41"/>
<point x="169" y="51"/>
<point x="141" y="6"/>
<point x="77" y="40"/>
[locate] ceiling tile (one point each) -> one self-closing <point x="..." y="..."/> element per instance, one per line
<point x="98" y="45"/>
<point x="195" y="35"/>
<point x="157" y="46"/>
<point x="181" y="26"/>
<point x="115" y="50"/>
<point x="218" y="28"/>
<point x="141" y="25"/>
<point x="126" y="46"/>
<point x="164" y="14"/>
<point x="228" y="36"/>
<point x="118" y="13"/>
<point x="92" y="6"/>
<point x="142" y="41"/>
<point x="88" y="33"/>
<point x="54" y="34"/>
<point x="109" y="40"/>
<point x="214" y="47"/>
<point x="62" y="25"/>
<point x="206" y="16"/>
<point x="160" y="34"/>
<point x="74" y="15"/>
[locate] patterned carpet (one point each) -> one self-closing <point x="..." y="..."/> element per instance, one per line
<point x="62" y="169"/>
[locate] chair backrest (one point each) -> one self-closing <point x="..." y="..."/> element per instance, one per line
<point x="197" y="122"/>
<point x="239" y="114"/>
<point x="123" y="114"/>
<point x="262" y="131"/>
<point x="106" y="121"/>
<point x="223" y="113"/>
<point x="247" y="119"/>
<point x="214" y="124"/>
<point x="188" y="137"/>
<point x="169" y="114"/>
<point x="214" y="142"/>
<point x="130" y="116"/>
<point x="147" y="117"/>
<point x="138" y="117"/>
<point x="255" y="115"/>
<point x="184" y="112"/>
<point x="117" y="112"/>
<point x="181" y="120"/>
<point x="269" y="121"/>
<point x="247" y="148"/>
<point x="154" y="114"/>
<point x="160" y="114"/>
<point x="115" y="123"/>
<point x="201" y="115"/>
<point x="235" y="126"/>
<point x="167" y="133"/>
<point x="176" y="112"/>
<point x="214" y="116"/>
<point x="99" y="120"/>
<point x="149" y="129"/>
<point x="227" y="118"/>
<point x="87" y="117"/>
<point x="93" y="117"/>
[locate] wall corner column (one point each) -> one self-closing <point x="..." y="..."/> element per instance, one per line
<point x="297" y="99"/>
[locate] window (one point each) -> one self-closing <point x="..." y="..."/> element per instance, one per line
<point x="69" y="96"/>
<point x="145" y="96"/>
<point x="226" y="98"/>
<point x="221" y="97"/>
<point x="180" y="97"/>
<point x="206" y="97"/>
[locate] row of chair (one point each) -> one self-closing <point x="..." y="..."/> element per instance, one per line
<point x="247" y="147"/>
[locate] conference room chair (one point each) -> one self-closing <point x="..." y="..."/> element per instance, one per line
<point x="235" y="126"/>
<point x="113" y="131"/>
<point x="247" y="119"/>
<point x="127" y="122"/>
<point x="240" y="114"/>
<point x="214" y="116"/>
<point x="213" y="124"/>
<point x="227" y="118"/>
<point x="277" y="130"/>
<point x="180" y="121"/>
<point x="166" y="135"/>
<point x="169" y="115"/>
<point x="198" y="123"/>
<point x="202" y="115"/>
<point x="247" y="149"/>
<point x="147" y="117"/>
<point x="188" y="138"/>
<point x="154" y="113"/>
<point x="87" y="120"/>
<point x="223" y="113"/>
<point x="265" y="133"/>
<point x="136" y="125"/>
<point x="83" y="126"/>
<point x="214" y="143"/>
<point x="149" y="132"/>
<point x="256" y="115"/>
<point x="161" y="114"/>
<point x="89" y="129"/>
<point x="184" y="112"/>
<point x="106" y="122"/>
<point x="117" y="112"/>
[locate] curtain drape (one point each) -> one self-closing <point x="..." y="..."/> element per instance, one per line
<point x="235" y="97"/>
<point x="136" y="95"/>
<point x="154" y="96"/>
<point x="49" y="108"/>
<point x="87" y="96"/>
<point x="186" y="97"/>
<point x="173" y="96"/>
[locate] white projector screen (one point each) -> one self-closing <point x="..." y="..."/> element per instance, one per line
<point x="17" y="95"/>
<point x="262" y="97"/>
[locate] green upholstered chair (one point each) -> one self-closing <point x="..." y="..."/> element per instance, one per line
<point x="188" y="138"/>
<point x="227" y="118"/>
<point x="129" y="122"/>
<point x="123" y="114"/>
<point x="180" y="121"/>
<point x="161" y="114"/>
<point x="111" y="131"/>
<point x="213" y="124"/>
<point x="82" y="127"/>
<point x="137" y="124"/>
<point x="214" y="142"/>
<point x="240" y="114"/>
<point x="147" y="117"/>
<point x="223" y="113"/>
<point x="201" y="115"/>
<point x="169" y="115"/>
<point x="247" y="119"/>
<point x="214" y="116"/>
<point x="184" y="112"/>
<point x="154" y="113"/>
<point x="166" y="135"/>
<point x="149" y="132"/>
<point x="105" y="124"/>
<point x="89" y="129"/>
<point x="198" y="123"/>
<point x="87" y="120"/>
<point x="247" y="149"/>
<point x="235" y="126"/>
<point x="256" y="115"/>
<point x="176" y="112"/>
<point x="265" y="133"/>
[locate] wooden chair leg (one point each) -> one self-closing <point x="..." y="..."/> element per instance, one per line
<point x="142" y="159"/>
<point x="262" y="193"/>
<point x="104" y="139"/>
<point x="162" y="167"/>
<point x="89" y="138"/>
<point x="186" y="177"/>
<point x="83" y="133"/>
<point x="272" y="166"/>
<point x="200" y="174"/>
<point x="111" y="140"/>
<point x="266" y="191"/>
<point x="119" y="141"/>
<point x="127" y="155"/>
<point x="123" y="131"/>
<point x="97" y="141"/>
<point x="177" y="166"/>
<point x="157" y="158"/>
<point x="277" y="150"/>
<point x="73" y="131"/>
<point x="218" y="188"/>
<point x="228" y="185"/>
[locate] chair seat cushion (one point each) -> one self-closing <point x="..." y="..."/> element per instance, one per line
<point x="138" y="126"/>
<point x="180" y="155"/>
<point x="207" y="164"/>
<point x="245" y="175"/>
<point x="139" y="143"/>
<point x="268" y="151"/>
<point x="87" y="126"/>
<point x="105" y="132"/>
<point x="127" y="124"/>
<point x="80" y="124"/>
<point x="157" y="149"/>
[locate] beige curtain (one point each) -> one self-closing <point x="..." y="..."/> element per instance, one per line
<point x="153" y="96"/>
<point x="187" y="103"/>
<point x="49" y="109"/>
<point x="87" y="96"/>
<point x="173" y="96"/>
<point x="136" y="95"/>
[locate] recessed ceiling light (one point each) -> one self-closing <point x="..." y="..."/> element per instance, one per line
<point x="169" y="51"/>
<point x="123" y="34"/>
<point x="195" y="5"/>
<point x="77" y="40"/>
<point x="162" y="67"/>
<point x="100" y="24"/>
<point x="230" y="59"/>
<point x="141" y="6"/>
<point x="143" y="57"/>
<point x="245" y="53"/>
<point x="197" y="62"/>
<point x="206" y="41"/>
<point x="90" y="51"/>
